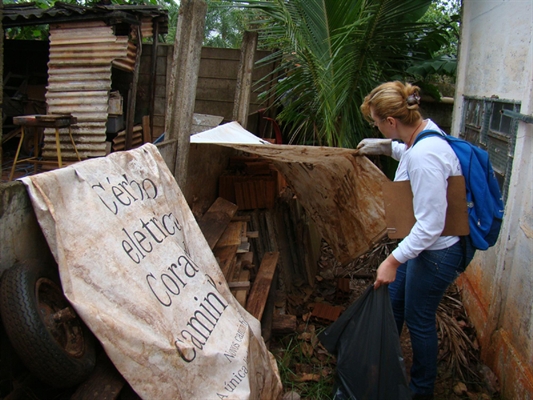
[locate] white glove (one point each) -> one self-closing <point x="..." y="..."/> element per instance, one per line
<point x="374" y="147"/>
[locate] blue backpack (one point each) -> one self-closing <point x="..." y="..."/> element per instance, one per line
<point x="483" y="195"/>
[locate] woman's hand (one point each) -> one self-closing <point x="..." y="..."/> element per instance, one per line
<point x="386" y="272"/>
<point x="374" y="147"/>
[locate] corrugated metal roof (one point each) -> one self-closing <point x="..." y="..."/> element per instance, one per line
<point x="85" y="42"/>
<point x="22" y="14"/>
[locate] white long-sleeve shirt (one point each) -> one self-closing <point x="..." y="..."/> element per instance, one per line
<point x="427" y="165"/>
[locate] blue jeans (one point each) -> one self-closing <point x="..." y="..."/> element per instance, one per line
<point x="415" y="295"/>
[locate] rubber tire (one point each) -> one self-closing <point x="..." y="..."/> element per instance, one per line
<point x="42" y="354"/>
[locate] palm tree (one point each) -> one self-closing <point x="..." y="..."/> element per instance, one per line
<point x="330" y="54"/>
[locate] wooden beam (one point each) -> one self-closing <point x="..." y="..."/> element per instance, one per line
<point x="240" y="284"/>
<point x="153" y="79"/>
<point x="227" y="258"/>
<point x="183" y="82"/>
<point x="252" y="234"/>
<point x="132" y="93"/>
<point x="255" y="304"/>
<point x="283" y="324"/>
<point x="232" y="234"/>
<point x="244" y="247"/>
<point x="246" y="259"/>
<point x="243" y="90"/>
<point x="245" y="218"/>
<point x="214" y="222"/>
<point x="240" y="293"/>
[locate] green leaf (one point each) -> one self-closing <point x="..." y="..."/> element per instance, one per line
<point x="329" y="54"/>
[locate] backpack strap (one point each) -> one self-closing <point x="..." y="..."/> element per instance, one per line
<point x="427" y="133"/>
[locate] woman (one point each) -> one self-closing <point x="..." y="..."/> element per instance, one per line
<point x="425" y="263"/>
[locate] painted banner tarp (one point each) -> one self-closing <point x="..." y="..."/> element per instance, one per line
<point x="138" y="270"/>
<point x="340" y="191"/>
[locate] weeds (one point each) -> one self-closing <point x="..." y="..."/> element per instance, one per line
<point x="304" y="365"/>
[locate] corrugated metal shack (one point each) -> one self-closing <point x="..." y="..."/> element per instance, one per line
<point x="86" y="45"/>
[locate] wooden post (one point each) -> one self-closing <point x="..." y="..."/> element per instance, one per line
<point x="147" y="130"/>
<point x="183" y="81"/>
<point x="132" y="93"/>
<point x="153" y="74"/>
<point x="241" y="107"/>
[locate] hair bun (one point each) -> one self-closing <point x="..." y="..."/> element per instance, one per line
<point x="413" y="99"/>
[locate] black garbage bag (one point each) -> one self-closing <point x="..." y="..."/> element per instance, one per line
<point x="369" y="357"/>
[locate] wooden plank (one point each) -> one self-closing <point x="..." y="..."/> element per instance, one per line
<point x="232" y="235"/>
<point x="233" y="275"/>
<point x="226" y="257"/>
<point x="261" y="287"/>
<point x="214" y="222"/>
<point x="246" y="259"/>
<point x="244" y="231"/>
<point x="241" y="293"/>
<point x="244" y="247"/>
<point x="239" y="284"/>
<point x="245" y="218"/>
<point x="283" y="324"/>
<point x="268" y="314"/>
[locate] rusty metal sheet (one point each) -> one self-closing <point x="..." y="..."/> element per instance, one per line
<point x="127" y="63"/>
<point x="79" y="82"/>
<point x="21" y="14"/>
<point x="146" y="27"/>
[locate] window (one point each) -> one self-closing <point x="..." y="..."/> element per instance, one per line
<point x="484" y="125"/>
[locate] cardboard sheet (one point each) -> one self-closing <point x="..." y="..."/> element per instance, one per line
<point x="400" y="220"/>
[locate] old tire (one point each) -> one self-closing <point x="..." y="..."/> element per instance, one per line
<point x="42" y="326"/>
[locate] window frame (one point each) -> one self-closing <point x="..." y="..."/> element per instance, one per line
<point x="483" y="124"/>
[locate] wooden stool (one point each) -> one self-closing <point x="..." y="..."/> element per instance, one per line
<point x="43" y="121"/>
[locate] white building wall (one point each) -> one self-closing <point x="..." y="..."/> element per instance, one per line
<point x="496" y="59"/>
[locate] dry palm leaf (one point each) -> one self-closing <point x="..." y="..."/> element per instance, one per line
<point x="456" y="348"/>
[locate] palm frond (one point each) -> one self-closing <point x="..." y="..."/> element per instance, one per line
<point x="331" y="54"/>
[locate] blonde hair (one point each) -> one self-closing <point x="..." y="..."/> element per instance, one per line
<point x="393" y="99"/>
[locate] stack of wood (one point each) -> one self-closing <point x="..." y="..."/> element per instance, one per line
<point x="227" y="235"/>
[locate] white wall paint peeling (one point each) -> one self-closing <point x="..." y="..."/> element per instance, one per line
<point x="500" y="44"/>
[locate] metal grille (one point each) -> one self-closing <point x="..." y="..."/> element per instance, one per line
<point x="484" y="125"/>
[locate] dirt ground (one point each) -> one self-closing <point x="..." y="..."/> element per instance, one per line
<point x="308" y="371"/>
